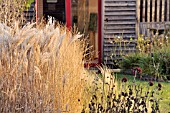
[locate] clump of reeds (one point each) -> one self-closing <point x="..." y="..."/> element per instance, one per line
<point x="12" y="11"/>
<point x="41" y="69"/>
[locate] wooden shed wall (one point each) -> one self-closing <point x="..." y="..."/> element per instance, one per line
<point x="119" y="23"/>
<point x="126" y="19"/>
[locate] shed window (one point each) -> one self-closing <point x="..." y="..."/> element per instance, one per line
<point x="51" y="1"/>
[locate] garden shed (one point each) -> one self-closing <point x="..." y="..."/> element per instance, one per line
<point x="105" y="21"/>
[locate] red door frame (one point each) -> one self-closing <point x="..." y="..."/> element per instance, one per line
<point x="68" y="13"/>
<point x="100" y="31"/>
<point x="36" y="2"/>
<point x="69" y="24"/>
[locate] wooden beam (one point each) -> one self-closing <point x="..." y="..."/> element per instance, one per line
<point x="148" y="11"/>
<point x="168" y="5"/>
<point x="163" y="10"/>
<point x="137" y="17"/>
<point x="158" y="10"/>
<point x="143" y="15"/>
<point x="153" y="10"/>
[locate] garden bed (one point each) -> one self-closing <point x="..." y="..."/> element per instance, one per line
<point x="146" y="77"/>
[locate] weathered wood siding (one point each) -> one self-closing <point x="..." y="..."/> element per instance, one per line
<point x="119" y="22"/>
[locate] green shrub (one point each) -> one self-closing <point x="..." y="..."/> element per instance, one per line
<point x="130" y="61"/>
<point x="165" y="59"/>
<point x="156" y="64"/>
<point x="144" y="63"/>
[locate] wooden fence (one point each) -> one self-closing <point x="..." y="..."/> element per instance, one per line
<point x="150" y="12"/>
<point x="153" y="10"/>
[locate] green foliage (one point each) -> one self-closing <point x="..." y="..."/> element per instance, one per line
<point x="156" y="64"/>
<point x="163" y="55"/>
<point x="143" y="44"/>
<point x="130" y="61"/>
<point x="153" y="56"/>
<point x="145" y="63"/>
<point x="28" y="3"/>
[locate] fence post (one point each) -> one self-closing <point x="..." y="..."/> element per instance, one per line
<point x="148" y="13"/>
<point x="158" y="10"/>
<point x="153" y="10"/>
<point x="163" y="10"/>
<point x="143" y="15"/>
<point x="137" y="17"/>
<point x="167" y="11"/>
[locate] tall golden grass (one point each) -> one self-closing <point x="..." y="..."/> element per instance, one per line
<point x="12" y="11"/>
<point x="41" y="69"/>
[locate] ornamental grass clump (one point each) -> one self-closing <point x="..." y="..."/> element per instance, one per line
<point x="41" y="69"/>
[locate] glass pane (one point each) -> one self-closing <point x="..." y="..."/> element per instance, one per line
<point x="85" y="17"/>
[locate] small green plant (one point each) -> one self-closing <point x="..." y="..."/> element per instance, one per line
<point x="119" y="50"/>
<point x="143" y="45"/>
<point x="28" y="3"/>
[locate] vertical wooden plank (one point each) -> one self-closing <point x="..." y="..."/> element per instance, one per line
<point x="92" y="44"/>
<point x="82" y="15"/>
<point x="168" y="10"/>
<point x="158" y="10"/>
<point x="148" y="11"/>
<point x="137" y="16"/>
<point x="138" y="9"/>
<point x="143" y="15"/>
<point x="153" y="10"/>
<point x="163" y="10"/>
